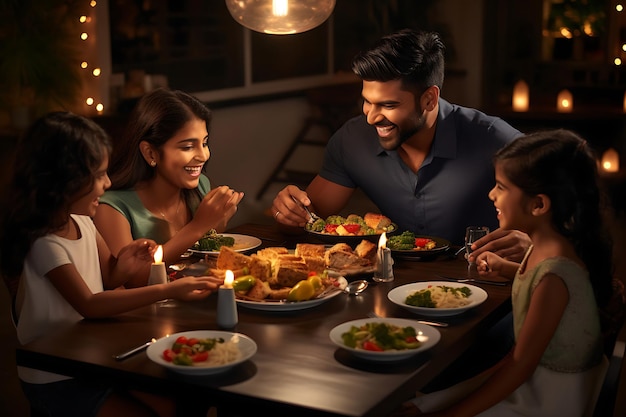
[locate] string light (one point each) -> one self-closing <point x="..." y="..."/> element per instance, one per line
<point x="91" y="78"/>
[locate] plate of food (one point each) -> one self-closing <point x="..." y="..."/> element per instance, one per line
<point x="437" y="298"/>
<point x="211" y="243"/>
<point x="351" y="229"/>
<point x="331" y="289"/>
<point x="401" y="338"/>
<point x="201" y="352"/>
<point x="408" y="244"/>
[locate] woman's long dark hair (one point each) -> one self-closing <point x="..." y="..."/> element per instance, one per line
<point x="156" y="118"/>
<point x="560" y="164"/>
<point x="55" y="159"/>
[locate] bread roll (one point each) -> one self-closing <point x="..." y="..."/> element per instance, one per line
<point x="366" y="250"/>
<point x="229" y="259"/>
<point x="377" y="221"/>
<point x="310" y="249"/>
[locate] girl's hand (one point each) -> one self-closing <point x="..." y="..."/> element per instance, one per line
<point x="193" y="288"/>
<point x="489" y="264"/>
<point x="217" y="208"/>
<point x="136" y="257"/>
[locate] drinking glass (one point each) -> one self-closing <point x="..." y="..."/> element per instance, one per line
<point x="472" y="234"/>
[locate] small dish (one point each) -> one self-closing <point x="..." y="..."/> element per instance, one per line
<point x="247" y="348"/>
<point x="429" y="338"/>
<point x="399" y="294"/>
<point x="441" y="245"/>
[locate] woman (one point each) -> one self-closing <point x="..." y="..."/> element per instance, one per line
<point x="158" y="189"/>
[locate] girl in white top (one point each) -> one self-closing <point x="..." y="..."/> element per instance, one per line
<point x="65" y="269"/>
<point x="546" y="186"/>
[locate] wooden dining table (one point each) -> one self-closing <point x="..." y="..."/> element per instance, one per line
<point x="297" y="370"/>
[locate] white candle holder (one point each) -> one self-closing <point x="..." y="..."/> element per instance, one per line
<point x="384" y="266"/>
<point x="226" y="308"/>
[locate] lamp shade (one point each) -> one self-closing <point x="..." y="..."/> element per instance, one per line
<point x="280" y="17"/>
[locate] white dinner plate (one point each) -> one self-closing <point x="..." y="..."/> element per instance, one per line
<point x="282" y="305"/>
<point x="399" y="294"/>
<point x="428" y="335"/>
<point x="247" y="348"/>
<point x="242" y="243"/>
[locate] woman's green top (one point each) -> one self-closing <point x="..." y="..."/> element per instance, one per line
<point x="144" y="224"/>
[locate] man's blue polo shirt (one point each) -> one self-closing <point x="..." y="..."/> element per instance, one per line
<point x="450" y="190"/>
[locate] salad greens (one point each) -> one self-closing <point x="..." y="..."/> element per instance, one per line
<point x="381" y="337"/>
<point x="212" y="241"/>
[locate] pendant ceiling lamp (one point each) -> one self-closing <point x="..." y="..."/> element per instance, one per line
<point x="280" y="17"/>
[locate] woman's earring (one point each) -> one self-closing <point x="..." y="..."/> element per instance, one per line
<point x="153" y="163"/>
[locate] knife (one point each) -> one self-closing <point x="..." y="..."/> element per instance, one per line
<point x="474" y="281"/>
<point x="133" y="351"/>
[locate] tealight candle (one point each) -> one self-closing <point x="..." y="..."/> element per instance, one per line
<point x="226" y="305"/>
<point x="157" y="269"/>
<point x="384" y="264"/>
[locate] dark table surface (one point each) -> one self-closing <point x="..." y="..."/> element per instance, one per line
<point x="297" y="370"/>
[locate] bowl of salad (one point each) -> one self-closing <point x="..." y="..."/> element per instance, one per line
<point x="384" y="339"/>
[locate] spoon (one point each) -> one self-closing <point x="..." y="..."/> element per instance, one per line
<point x="356" y="287"/>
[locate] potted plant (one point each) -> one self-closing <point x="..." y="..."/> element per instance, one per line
<point x="39" y="57"/>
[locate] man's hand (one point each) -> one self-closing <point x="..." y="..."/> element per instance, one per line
<point x="287" y="206"/>
<point x="508" y="244"/>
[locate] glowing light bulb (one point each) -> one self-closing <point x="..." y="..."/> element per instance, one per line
<point x="96" y="72"/>
<point x="280" y="17"/>
<point x="99" y="107"/>
<point x="84" y="64"/>
<point x="84" y="36"/>
<point x="82" y="19"/>
<point x="280" y="7"/>
<point x="89" y="101"/>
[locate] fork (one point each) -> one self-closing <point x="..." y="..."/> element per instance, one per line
<point x="474" y="280"/>
<point x="312" y="216"/>
<point x="373" y="315"/>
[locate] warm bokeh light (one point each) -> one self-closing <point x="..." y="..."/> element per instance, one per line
<point x="96" y="72"/>
<point x="100" y="107"/>
<point x="619" y="7"/>
<point x="82" y="19"/>
<point x="617" y="61"/>
<point x="564" y="102"/>
<point x="84" y="36"/>
<point x="84" y="64"/>
<point x="566" y="33"/>
<point x="89" y="101"/>
<point x="610" y="160"/>
<point x="520" y="96"/>
<point x="93" y="3"/>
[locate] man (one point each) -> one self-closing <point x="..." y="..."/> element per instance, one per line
<point x="424" y="162"/>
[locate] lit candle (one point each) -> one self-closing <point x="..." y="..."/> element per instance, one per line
<point x="384" y="269"/>
<point x="157" y="269"/>
<point x="520" y="96"/>
<point x="226" y="305"/>
<point x="564" y="102"/>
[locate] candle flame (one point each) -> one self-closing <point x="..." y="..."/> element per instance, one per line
<point x="158" y="255"/>
<point x="382" y="242"/>
<point x="229" y="278"/>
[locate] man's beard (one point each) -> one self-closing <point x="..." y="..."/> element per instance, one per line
<point x="406" y="132"/>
